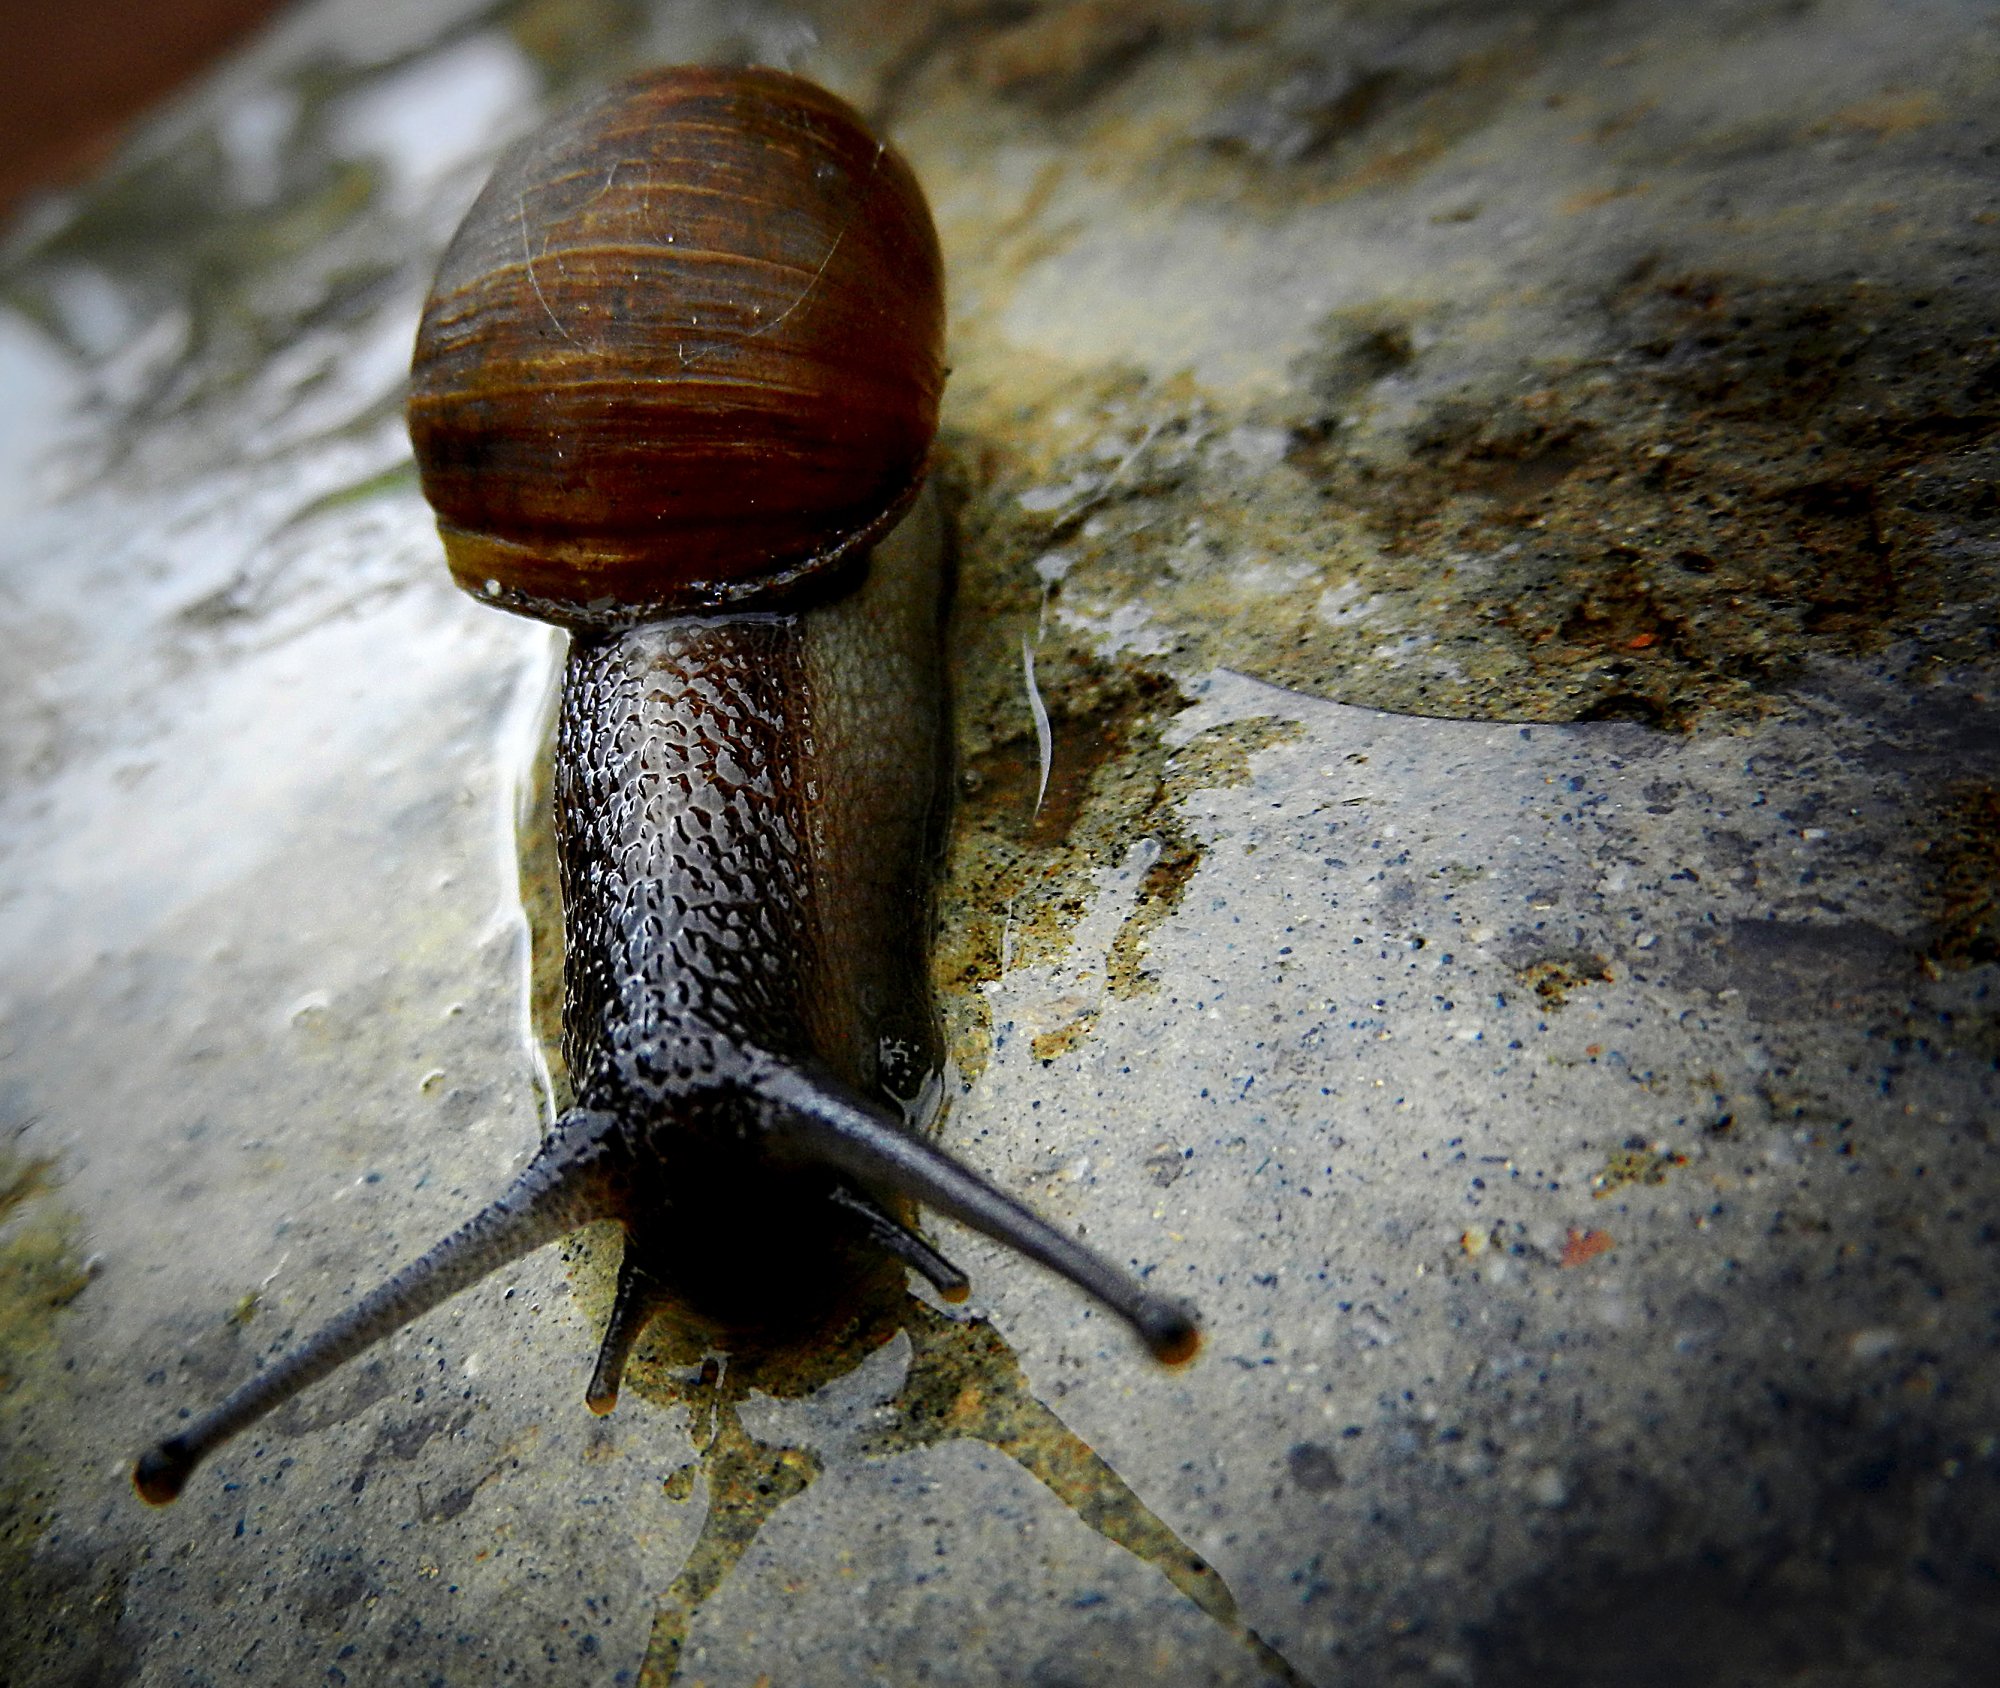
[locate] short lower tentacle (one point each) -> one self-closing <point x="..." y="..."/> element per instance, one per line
<point x="905" y="1245"/>
<point x="815" y="1121"/>
<point x="638" y="1294"/>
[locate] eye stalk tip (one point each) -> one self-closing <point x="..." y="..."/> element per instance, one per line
<point x="160" y="1473"/>
<point x="1169" y="1332"/>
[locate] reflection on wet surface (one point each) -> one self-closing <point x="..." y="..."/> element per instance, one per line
<point x="961" y="1380"/>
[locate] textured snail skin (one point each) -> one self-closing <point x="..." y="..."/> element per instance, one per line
<point x="747" y="799"/>
<point x="746" y="812"/>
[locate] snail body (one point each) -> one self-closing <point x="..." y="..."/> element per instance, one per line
<point x="707" y="292"/>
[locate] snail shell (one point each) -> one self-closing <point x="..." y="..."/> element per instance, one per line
<point x="685" y="351"/>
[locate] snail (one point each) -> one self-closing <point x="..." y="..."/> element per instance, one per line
<point x="675" y="389"/>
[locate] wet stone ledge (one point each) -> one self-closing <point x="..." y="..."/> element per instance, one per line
<point x="1477" y="762"/>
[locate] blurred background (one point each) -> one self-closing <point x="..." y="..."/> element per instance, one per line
<point x="83" y="73"/>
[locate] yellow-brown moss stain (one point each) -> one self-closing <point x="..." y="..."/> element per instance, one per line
<point x="1018" y="877"/>
<point x="1636" y="1164"/>
<point x="963" y="1382"/>
<point x="1052" y="1045"/>
<point x="1553" y="977"/>
<point x="1962" y="855"/>
<point x="1746" y="476"/>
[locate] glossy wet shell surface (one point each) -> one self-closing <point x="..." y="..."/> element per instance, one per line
<point x="689" y="336"/>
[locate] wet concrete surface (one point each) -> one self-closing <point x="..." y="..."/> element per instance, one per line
<point x="1495" y="506"/>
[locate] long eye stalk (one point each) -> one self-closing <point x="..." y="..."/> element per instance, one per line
<point x="816" y="1122"/>
<point x="549" y="1198"/>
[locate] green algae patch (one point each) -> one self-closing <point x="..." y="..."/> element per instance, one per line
<point x="56" y="1603"/>
<point x="41" y="1269"/>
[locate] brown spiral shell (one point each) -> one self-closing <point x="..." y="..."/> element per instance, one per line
<point x="684" y="352"/>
